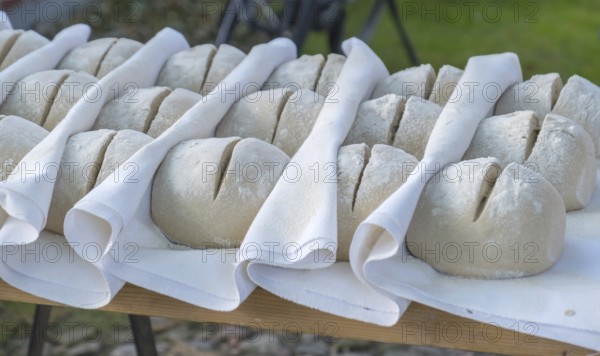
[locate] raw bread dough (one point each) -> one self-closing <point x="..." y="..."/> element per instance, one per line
<point x="416" y="81"/>
<point x="187" y="69"/>
<point x="300" y="74"/>
<point x="255" y="115"/>
<point x="297" y="120"/>
<point x="87" y="57"/>
<point x="17" y="137"/>
<point x="7" y="40"/>
<point x="32" y="97"/>
<point x="330" y="73"/>
<point x="416" y="124"/>
<point x="134" y="110"/>
<point x="509" y="138"/>
<point x="26" y="43"/>
<point x="123" y="145"/>
<point x="117" y="54"/>
<point x="70" y="91"/>
<point x="224" y="61"/>
<point x="469" y="224"/>
<point x="224" y="183"/>
<point x="447" y="79"/>
<point x="79" y="167"/>
<point x="538" y="94"/>
<point x="377" y="121"/>
<point x="171" y="109"/>
<point x="580" y="101"/>
<point x="564" y="155"/>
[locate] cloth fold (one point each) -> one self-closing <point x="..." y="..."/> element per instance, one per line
<point x="116" y="214"/>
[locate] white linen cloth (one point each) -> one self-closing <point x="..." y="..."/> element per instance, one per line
<point x="116" y="214"/>
<point x="296" y="229"/>
<point x="43" y="263"/>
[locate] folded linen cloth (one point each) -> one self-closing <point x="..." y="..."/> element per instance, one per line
<point x="116" y="214"/>
<point x="43" y="263"/>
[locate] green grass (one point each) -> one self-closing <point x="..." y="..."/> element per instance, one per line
<point x="549" y="36"/>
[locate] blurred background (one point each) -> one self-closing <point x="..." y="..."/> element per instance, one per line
<point x="549" y="36"/>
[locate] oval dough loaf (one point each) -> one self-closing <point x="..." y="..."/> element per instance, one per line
<point x="117" y="54"/>
<point x="7" y="40"/>
<point x="299" y="74"/>
<point x="87" y="57"/>
<point x="416" y="124"/>
<point x="17" y="137"/>
<point x="473" y="220"/>
<point x="70" y="91"/>
<point x="24" y="44"/>
<point x="443" y="88"/>
<point x="187" y="69"/>
<point x="377" y="121"/>
<point x="416" y="81"/>
<point x="330" y="73"/>
<point x="172" y="109"/>
<point x="122" y="146"/>
<point x="226" y="58"/>
<point x="203" y="183"/>
<point x="538" y="94"/>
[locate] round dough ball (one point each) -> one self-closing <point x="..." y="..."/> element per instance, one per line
<point x="117" y="54"/>
<point x="24" y="44"/>
<point x="377" y="121"/>
<point x="443" y="88"/>
<point x="79" y="167"/>
<point x="299" y="74"/>
<point x="564" y="155"/>
<point x="474" y="220"/>
<point x="134" y="110"/>
<point x="416" y="124"/>
<point x="122" y="146"/>
<point x="172" y="109"/>
<point x="297" y="120"/>
<point x="538" y="94"/>
<point x="17" y="137"/>
<point x="70" y="91"/>
<point x="416" y="81"/>
<point x="207" y="192"/>
<point x="330" y="73"/>
<point x="87" y="57"/>
<point x="226" y="58"/>
<point x="187" y="69"/>
<point x="509" y="138"/>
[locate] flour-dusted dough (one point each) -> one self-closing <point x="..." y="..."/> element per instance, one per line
<point x="352" y="160"/>
<point x="17" y="137"/>
<point x="117" y="54"/>
<point x="32" y="97"/>
<point x="79" y="167"/>
<point x="224" y="61"/>
<point x="134" y="110"/>
<point x="255" y="115"/>
<point x="171" y="109"/>
<point x="297" y="120"/>
<point x="416" y="124"/>
<point x="377" y="121"/>
<point x="538" y="94"/>
<point x="509" y="138"/>
<point x="447" y="79"/>
<point x="564" y="155"/>
<point x="70" y="91"/>
<point x="26" y="43"/>
<point x="122" y="146"/>
<point x="468" y="223"/>
<point x="7" y="40"/>
<point x="226" y="181"/>
<point x="580" y="101"/>
<point x="87" y="57"/>
<point x="300" y="74"/>
<point x="187" y="69"/>
<point x="416" y="81"/>
<point x="330" y="73"/>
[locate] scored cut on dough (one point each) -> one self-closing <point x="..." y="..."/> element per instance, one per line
<point x="443" y="87"/>
<point x="117" y="54"/>
<point x="297" y="120"/>
<point x="416" y="125"/>
<point x="255" y="115"/>
<point x="474" y="220"/>
<point x="24" y="44"/>
<point x="299" y="74"/>
<point x="134" y="110"/>
<point x="122" y="146"/>
<point x="223" y="62"/>
<point x="538" y="94"/>
<point x="17" y="137"/>
<point x="564" y="155"/>
<point x="79" y="168"/>
<point x="72" y="88"/>
<point x="31" y="98"/>
<point x="579" y="101"/>
<point x="417" y="81"/>
<point x="377" y="121"/>
<point x="87" y="57"/>
<point x="329" y="74"/>
<point x="224" y="177"/>
<point x="172" y="109"/>
<point x="509" y="138"/>
<point x="187" y="69"/>
<point x="7" y="40"/>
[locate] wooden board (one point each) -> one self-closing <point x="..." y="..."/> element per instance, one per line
<point x="420" y="325"/>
